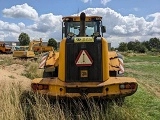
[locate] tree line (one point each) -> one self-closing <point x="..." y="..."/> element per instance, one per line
<point x="152" y="45"/>
<point x="24" y="39"/>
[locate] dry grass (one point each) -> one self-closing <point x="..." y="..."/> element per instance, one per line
<point x="32" y="70"/>
<point x="9" y="102"/>
<point x="143" y="105"/>
<point x="12" y="108"/>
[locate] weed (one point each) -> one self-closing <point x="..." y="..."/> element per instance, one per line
<point x="11" y="76"/>
<point x="32" y="70"/>
<point x="143" y="105"/>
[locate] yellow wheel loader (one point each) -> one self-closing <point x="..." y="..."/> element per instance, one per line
<point x="83" y="66"/>
<point x="4" y="48"/>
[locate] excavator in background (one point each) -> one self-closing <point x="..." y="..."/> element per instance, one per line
<point x="4" y="48"/>
<point x="26" y="51"/>
<point x="83" y="66"/>
<point x="42" y="48"/>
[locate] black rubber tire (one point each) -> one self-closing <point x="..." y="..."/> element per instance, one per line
<point x="119" y="101"/>
<point x="47" y="74"/>
<point x="51" y="74"/>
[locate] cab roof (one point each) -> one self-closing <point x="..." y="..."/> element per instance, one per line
<point x="77" y="18"/>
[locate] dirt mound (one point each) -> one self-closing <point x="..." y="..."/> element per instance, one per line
<point x="15" y="68"/>
<point x="12" y="74"/>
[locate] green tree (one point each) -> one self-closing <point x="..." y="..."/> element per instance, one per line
<point x="140" y="48"/>
<point x="52" y="42"/>
<point x="123" y="47"/>
<point x="112" y="49"/>
<point x="154" y="43"/>
<point x="137" y="45"/>
<point x="131" y="45"/>
<point x="24" y="39"/>
<point x="146" y="44"/>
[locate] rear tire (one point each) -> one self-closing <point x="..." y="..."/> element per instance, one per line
<point x="51" y="74"/>
<point x="47" y="74"/>
<point x="119" y="101"/>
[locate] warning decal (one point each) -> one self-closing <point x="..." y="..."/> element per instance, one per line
<point x="83" y="59"/>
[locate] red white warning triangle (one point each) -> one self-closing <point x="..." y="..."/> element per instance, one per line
<point x="84" y="59"/>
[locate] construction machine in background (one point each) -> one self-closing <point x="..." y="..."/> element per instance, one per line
<point x="84" y="66"/>
<point x="5" y="49"/>
<point x="43" y="48"/>
<point x="26" y="51"/>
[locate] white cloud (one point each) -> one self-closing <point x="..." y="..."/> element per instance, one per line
<point x="136" y="9"/>
<point x="126" y="28"/>
<point x="153" y="15"/>
<point x="119" y="25"/>
<point x="2" y="36"/>
<point x="11" y="36"/>
<point x="104" y="2"/>
<point x="9" y="31"/>
<point x="1" y="33"/>
<point x="154" y="26"/>
<point x="21" y="11"/>
<point x="47" y="22"/>
<point x="21" y="25"/>
<point x="86" y="1"/>
<point x="119" y="28"/>
<point x="12" y="27"/>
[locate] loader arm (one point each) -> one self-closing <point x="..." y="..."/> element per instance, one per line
<point x="49" y="61"/>
<point x="34" y="42"/>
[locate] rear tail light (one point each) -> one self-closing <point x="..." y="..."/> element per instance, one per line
<point x="127" y="86"/>
<point x="133" y="86"/>
<point x="122" y="86"/>
<point x="46" y="87"/>
<point x="39" y="87"/>
<point x="34" y="86"/>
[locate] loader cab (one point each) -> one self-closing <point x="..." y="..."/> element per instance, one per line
<point x="93" y="26"/>
<point x="82" y="41"/>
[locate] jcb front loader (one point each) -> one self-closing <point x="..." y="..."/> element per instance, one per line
<point x="83" y="66"/>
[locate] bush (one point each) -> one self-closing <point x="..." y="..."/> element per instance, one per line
<point x="32" y="71"/>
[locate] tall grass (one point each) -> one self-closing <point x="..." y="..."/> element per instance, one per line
<point x="12" y="108"/>
<point x="143" y="105"/>
<point x="9" y="60"/>
<point x="32" y="70"/>
<point x="31" y="67"/>
<point x="9" y="102"/>
<point x="147" y="99"/>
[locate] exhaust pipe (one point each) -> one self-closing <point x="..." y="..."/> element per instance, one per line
<point x="82" y="24"/>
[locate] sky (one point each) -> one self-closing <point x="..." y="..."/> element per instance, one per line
<point x="125" y="20"/>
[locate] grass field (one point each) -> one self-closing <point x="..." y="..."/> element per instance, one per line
<point x="143" y="105"/>
<point x="146" y="101"/>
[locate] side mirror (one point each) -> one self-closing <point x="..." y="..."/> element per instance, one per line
<point x="103" y="29"/>
<point x="63" y="30"/>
